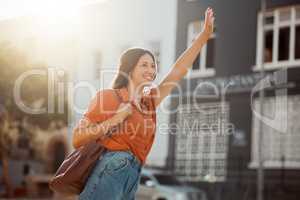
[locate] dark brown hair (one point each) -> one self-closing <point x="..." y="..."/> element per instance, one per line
<point x="128" y="61"/>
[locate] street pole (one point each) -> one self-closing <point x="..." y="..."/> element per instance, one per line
<point x="260" y="171"/>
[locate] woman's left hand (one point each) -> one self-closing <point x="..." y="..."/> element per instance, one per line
<point x="209" y="22"/>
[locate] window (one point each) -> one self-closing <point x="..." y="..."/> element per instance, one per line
<point x="97" y="64"/>
<point x="205" y="62"/>
<point x="165" y="179"/>
<point x="297" y="43"/>
<point x="281" y="36"/>
<point x="278" y="145"/>
<point x="144" y="179"/>
<point x="200" y="153"/>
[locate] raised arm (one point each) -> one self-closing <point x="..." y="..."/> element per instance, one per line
<point x="185" y="61"/>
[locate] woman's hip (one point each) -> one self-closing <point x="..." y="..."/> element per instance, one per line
<point x="114" y="161"/>
<point x="117" y="165"/>
<point x="118" y="168"/>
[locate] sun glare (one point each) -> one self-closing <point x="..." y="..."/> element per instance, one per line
<point x="60" y="8"/>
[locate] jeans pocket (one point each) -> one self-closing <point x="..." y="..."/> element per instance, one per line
<point x="116" y="164"/>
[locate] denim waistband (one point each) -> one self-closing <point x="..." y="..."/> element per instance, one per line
<point x="135" y="162"/>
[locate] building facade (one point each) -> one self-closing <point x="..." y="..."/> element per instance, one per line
<point x="217" y="108"/>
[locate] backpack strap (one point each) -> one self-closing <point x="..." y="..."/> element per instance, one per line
<point x="118" y="96"/>
<point x="120" y="100"/>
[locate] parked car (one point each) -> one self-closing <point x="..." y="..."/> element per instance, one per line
<point x="161" y="185"/>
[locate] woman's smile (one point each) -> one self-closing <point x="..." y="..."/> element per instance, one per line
<point x="148" y="77"/>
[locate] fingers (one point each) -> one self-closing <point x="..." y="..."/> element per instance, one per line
<point x="209" y="12"/>
<point x="125" y="107"/>
<point x="209" y="15"/>
<point x="209" y="21"/>
<point x="209" y="9"/>
<point x="129" y="109"/>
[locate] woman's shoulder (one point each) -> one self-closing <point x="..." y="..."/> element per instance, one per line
<point x="108" y="95"/>
<point x="103" y="103"/>
<point x="104" y="98"/>
<point x="105" y="92"/>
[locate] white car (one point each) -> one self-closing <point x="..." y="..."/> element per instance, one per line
<point x="160" y="185"/>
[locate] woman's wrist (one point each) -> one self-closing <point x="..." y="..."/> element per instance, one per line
<point x="101" y="129"/>
<point x="117" y="119"/>
<point x="204" y="35"/>
<point x="112" y="122"/>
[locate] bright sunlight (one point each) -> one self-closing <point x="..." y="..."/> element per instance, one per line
<point x="45" y="8"/>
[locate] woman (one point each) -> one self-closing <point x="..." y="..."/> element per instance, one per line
<point x="127" y="114"/>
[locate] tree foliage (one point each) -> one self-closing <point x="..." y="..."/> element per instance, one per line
<point x="34" y="89"/>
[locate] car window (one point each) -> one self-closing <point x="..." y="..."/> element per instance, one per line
<point x="167" y="179"/>
<point x="144" y="179"/>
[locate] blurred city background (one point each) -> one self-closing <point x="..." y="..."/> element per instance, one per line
<point x="55" y="55"/>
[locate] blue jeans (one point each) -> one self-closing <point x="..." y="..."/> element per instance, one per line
<point x="115" y="176"/>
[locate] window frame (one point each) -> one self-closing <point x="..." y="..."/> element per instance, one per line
<point x="207" y="152"/>
<point x="292" y="23"/>
<point x="148" y="179"/>
<point x="269" y="163"/>
<point x="203" y="71"/>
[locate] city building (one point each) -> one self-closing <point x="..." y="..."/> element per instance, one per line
<point x="217" y="108"/>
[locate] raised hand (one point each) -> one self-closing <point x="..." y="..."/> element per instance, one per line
<point x="209" y="21"/>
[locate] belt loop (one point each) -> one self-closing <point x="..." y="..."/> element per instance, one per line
<point x="135" y="159"/>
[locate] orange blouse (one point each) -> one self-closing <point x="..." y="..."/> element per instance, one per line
<point x="137" y="132"/>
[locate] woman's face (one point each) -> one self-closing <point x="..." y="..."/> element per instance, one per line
<point x="144" y="72"/>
